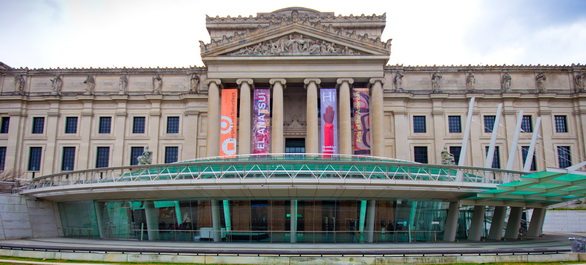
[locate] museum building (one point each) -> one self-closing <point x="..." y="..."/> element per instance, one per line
<point x="295" y="130"/>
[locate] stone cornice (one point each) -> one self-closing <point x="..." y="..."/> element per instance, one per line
<point x="485" y="68"/>
<point x="105" y="71"/>
<point x="302" y="13"/>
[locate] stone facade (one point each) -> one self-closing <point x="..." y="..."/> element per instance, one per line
<point x="299" y="50"/>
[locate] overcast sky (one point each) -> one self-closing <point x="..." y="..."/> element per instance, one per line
<point x="151" y="33"/>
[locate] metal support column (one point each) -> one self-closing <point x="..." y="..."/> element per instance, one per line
<point x="536" y="223"/>
<point x="514" y="223"/>
<point x="293" y="231"/>
<point x="216" y="221"/>
<point x="370" y="217"/>
<point x="465" y="140"/>
<point x="152" y="220"/>
<point x="498" y="223"/>
<point x="493" y="135"/>
<point x="452" y="222"/>
<point x="531" y="151"/>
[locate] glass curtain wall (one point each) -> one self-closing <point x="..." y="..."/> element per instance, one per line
<point x="318" y="221"/>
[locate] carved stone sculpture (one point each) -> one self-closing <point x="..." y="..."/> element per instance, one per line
<point x="123" y="85"/>
<point x="146" y="158"/>
<point x="295" y="44"/>
<point x="157" y="84"/>
<point x="435" y="82"/>
<point x="579" y="81"/>
<point x="20" y="83"/>
<point x="470" y="81"/>
<point x="90" y="83"/>
<point x="447" y="157"/>
<point x="398" y="81"/>
<point x="194" y="83"/>
<point x="540" y="79"/>
<point x="506" y="82"/>
<point x="57" y="84"/>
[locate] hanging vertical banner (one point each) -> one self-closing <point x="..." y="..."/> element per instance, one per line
<point x="261" y="129"/>
<point x="228" y="125"/>
<point x="329" y="124"/>
<point x="361" y="121"/>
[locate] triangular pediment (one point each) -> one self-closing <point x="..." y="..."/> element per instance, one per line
<point x="296" y="39"/>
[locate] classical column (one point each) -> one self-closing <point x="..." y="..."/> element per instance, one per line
<point x="277" y="137"/>
<point x="312" y="136"/>
<point x="514" y="223"/>
<point x="477" y="223"/>
<point x="370" y="218"/>
<point x="213" y="137"/>
<point x="345" y="116"/>
<point x="217" y="230"/>
<point x="152" y="220"/>
<point x="293" y="225"/>
<point x="497" y="224"/>
<point x="244" y="121"/>
<point x="377" y="117"/>
<point x="536" y="223"/>
<point x="452" y="222"/>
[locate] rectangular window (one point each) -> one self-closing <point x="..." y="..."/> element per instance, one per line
<point x="564" y="156"/>
<point x="489" y="123"/>
<point x="70" y="124"/>
<point x="454" y="124"/>
<point x="173" y="124"/>
<point x="38" y="125"/>
<point x="455" y="150"/>
<point x="34" y="158"/>
<point x="419" y="124"/>
<point x="171" y="154"/>
<point x="135" y="152"/>
<point x="68" y="160"/>
<point x="524" y="153"/>
<point x="103" y="156"/>
<point x="138" y="124"/>
<point x="526" y="124"/>
<point x="105" y="125"/>
<point x="496" y="159"/>
<point x="2" y="157"/>
<point x="561" y="124"/>
<point x="5" y="125"/>
<point x="420" y="154"/>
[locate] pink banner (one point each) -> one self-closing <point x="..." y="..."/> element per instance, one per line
<point x="360" y="121"/>
<point x="261" y="129"/>
<point x="329" y="124"/>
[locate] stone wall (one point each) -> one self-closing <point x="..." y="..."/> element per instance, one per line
<point x="22" y="217"/>
<point x="565" y="221"/>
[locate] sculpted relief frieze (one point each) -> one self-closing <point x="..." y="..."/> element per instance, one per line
<point x="295" y="44"/>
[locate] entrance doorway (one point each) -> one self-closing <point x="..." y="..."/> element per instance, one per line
<point x="295" y="145"/>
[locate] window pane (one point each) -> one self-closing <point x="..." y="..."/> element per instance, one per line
<point x="524" y="153"/>
<point x="34" y="159"/>
<point x="171" y="154"/>
<point x="68" y="158"/>
<point x="2" y="157"/>
<point x="564" y="156"/>
<point x="420" y="154"/>
<point x="38" y="125"/>
<point x="419" y="124"/>
<point x="496" y="159"/>
<point x="489" y="123"/>
<point x="455" y="150"/>
<point x="135" y="152"/>
<point x="173" y="124"/>
<point x="103" y="156"/>
<point x="454" y="124"/>
<point x="5" y="125"/>
<point x="105" y="125"/>
<point x="526" y="125"/>
<point x="138" y="125"/>
<point x="71" y="125"/>
<point x="561" y="124"/>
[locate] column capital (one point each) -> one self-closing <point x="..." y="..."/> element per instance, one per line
<point x="218" y="82"/>
<point x="350" y="81"/>
<point x="307" y="81"/>
<point x="375" y="80"/>
<point x="281" y="81"/>
<point x="246" y="80"/>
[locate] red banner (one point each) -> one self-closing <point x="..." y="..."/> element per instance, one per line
<point x="228" y="122"/>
